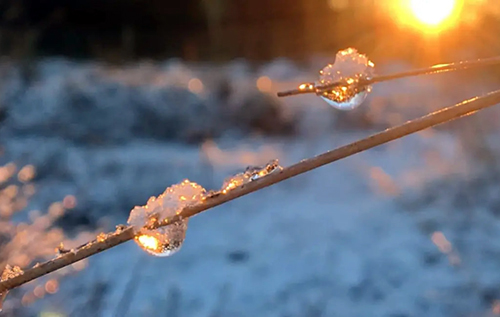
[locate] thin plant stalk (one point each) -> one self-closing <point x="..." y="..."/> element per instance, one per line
<point x="311" y="88"/>
<point x="124" y="234"/>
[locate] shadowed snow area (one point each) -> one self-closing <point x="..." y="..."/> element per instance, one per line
<point x="409" y="228"/>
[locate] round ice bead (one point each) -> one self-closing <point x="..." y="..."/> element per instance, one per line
<point x="163" y="241"/>
<point x="349" y="68"/>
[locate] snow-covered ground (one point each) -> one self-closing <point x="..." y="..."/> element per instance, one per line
<point x="395" y="231"/>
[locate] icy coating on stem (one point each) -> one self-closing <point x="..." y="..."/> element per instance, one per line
<point x="250" y="174"/>
<point x="349" y="68"/>
<point x="8" y="273"/>
<point x="166" y="240"/>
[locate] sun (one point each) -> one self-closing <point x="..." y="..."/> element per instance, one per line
<point x="426" y="16"/>
<point x="432" y="12"/>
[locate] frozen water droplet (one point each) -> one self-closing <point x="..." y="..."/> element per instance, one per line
<point x="165" y="240"/>
<point x="349" y="68"/>
<point x="251" y="173"/>
<point x="258" y="172"/>
<point x="348" y="104"/>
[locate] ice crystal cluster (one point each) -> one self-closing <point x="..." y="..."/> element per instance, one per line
<point x="166" y="240"/>
<point x="8" y="273"/>
<point x="349" y="69"/>
<point x="250" y="174"/>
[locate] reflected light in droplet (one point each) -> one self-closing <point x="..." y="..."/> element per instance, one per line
<point x="148" y="242"/>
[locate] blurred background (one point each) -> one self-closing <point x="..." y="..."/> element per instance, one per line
<point x="106" y="103"/>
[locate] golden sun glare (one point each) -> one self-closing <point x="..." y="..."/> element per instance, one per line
<point x="427" y="16"/>
<point x="432" y="12"/>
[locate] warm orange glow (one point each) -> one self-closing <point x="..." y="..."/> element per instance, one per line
<point x="26" y="173"/>
<point x="148" y="242"/>
<point x="264" y="84"/>
<point x="195" y="86"/>
<point x="101" y="237"/>
<point x="306" y="87"/>
<point x="383" y="182"/>
<point x="69" y="202"/>
<point x="428" y="16"/>
<point x="80" y="265"/>
<point x="28" y="190"/>
<point x="52" y="286"/>
<point x="39" y="291"/>
<point x="11" y="191"/>
<point x="56" y="210"/>
<point x="432" y="12"/>
<point x="441" y="242"/>
<point x="495" y="309"/>
<point x="7" y="171"/>
<point x="230" y="186"/>
<point x="27" y="299"/>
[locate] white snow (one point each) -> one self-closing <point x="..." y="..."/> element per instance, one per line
<point x="347" y="239"/>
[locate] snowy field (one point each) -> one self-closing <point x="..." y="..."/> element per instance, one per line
<point x="410" y="228"/>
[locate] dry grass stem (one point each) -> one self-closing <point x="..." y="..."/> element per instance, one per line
<point x="309" y="88"/>
<point x="126" y="233"/>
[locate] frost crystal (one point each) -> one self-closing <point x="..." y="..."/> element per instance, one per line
<point x="251" y="173"/>
<point x="101" y="237"/>
<point x="349" y="68"/>
<point x="166" y="240"/>
<point x="232" y="182"/>
<point x="258" y="172"/>
<point x="8" y="273"/>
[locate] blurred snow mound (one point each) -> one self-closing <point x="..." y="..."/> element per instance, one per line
<point x="100" y="104"/>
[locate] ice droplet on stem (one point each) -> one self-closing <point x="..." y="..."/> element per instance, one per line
<point x="349" y="69"/>
<point x="251" y="173"/>
<point x="166" y="240"/>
